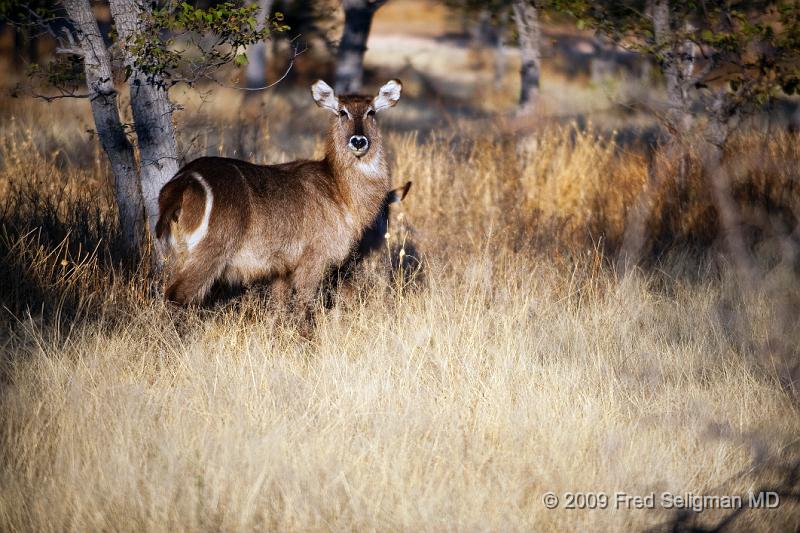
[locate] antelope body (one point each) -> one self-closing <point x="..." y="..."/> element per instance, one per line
<point x="226" y="219"/>
<point x="372" y="241"/>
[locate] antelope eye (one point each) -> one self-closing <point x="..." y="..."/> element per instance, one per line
<point x="342" y="113"/>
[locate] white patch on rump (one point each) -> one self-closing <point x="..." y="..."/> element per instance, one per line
<point x="197" y="235"/>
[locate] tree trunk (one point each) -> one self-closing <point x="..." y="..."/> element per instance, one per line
<point x="152" y="116"/>
<point x="97" y="66"/>
<point x="256" y="73"/>
<point x="350" y="57"/>
<point x="527" y="21"/>
<point x="677" y="64"/>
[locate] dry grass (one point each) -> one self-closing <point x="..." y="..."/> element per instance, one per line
<point x="523" y="364"/>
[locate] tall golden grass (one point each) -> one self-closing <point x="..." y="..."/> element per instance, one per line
<point x="524" y="363"/>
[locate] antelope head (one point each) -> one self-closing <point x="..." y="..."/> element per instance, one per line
<point x="355" y="126"/>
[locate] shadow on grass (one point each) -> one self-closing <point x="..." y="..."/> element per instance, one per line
<point x="62" y="261"/>
<point x="786" y="488"/>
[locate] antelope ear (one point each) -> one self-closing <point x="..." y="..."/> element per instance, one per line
<point x="399" y="194"/>
<point x="324" y="97"/>
<point x="388" y="95"/>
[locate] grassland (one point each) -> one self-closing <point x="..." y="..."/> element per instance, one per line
<point x="521" y="362"/>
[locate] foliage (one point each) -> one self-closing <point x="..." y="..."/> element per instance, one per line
<point x="35" y="19"/>
<point x="65" y="73"/>
<point x="312" y="18"/>
<point x="177" y="42"/>
<point x="27" y="13"/>
<point x="749" y="51"/>
<point x="182" y="43"/>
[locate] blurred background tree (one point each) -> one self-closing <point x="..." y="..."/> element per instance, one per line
<point x="726" y="59"/>
<point x="491" y="18"/>
<point x="358" y="16"/>
<point x="721" y="61"/>
<point x="256" y="73"/>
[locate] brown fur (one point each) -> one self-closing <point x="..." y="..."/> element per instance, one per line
<point x="289" y="222"/>
<point x="372" y="242"/>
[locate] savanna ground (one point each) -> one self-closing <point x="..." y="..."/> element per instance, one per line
<point x="523" y="360"/>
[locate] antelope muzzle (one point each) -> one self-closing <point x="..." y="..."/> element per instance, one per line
<point x="358" y="144"/>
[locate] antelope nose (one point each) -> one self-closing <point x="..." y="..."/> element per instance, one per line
<point x="359" y="142"/>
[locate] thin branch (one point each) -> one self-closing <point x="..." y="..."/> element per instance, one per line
<point x="295" y="52"/>
<point x="45" y="24"/>
<point x="70" y="51"/>
<point x="60" y="96"/>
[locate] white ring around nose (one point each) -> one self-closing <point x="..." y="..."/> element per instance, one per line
<point x="359" y="138"/>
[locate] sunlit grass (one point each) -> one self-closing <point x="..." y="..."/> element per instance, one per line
<point x="522" y="363"/>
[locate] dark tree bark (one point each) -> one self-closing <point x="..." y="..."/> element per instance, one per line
<point x="152" y="115"/>
<point x="527" y="21"/>
<point x="350" y="57"/>
<point x="256" y="73"/>
<point x="97" y="66"/>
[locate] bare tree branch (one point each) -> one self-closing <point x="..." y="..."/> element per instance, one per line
<point x="295" y="52"/>
<point x="50" y="98"/>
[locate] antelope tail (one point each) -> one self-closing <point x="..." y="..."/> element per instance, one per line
<point x="169" y="203"/>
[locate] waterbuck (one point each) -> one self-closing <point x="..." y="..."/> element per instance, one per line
<point x="226" y="219"/>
